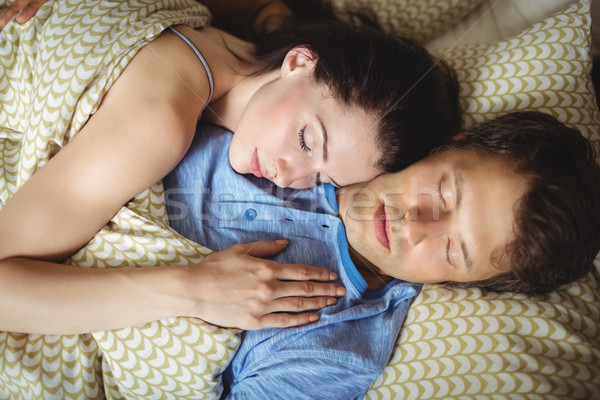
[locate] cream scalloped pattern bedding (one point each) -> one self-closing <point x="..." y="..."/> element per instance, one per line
<point x="546" y="68"/>
<point x="178" y="358"/>
<point x="419" y="20"/>
<point x="49" y="367"/>
<point x="465" y="343"/>
<point x="456" y="343"/>
<point x="84" y="46"/>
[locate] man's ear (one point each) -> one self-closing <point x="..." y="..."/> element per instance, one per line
<point x="300" y="58"/>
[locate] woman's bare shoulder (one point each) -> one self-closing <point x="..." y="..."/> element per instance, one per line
<point x="224" y="54"/>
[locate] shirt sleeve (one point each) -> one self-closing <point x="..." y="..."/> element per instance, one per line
<point x="309" y="378"/>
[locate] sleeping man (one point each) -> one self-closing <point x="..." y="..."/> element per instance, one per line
<point x="510" y="205"/>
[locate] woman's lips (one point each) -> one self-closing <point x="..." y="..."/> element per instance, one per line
<point x="379" y="225"/>
<point x="255" y="165"/>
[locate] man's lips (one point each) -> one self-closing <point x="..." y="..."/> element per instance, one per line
<point x="255" y="165"/>
<point x="379" y="225"/>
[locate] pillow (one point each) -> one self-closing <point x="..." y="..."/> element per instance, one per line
<point x="467" y="343"/>
<point x="494" y="21"/>
<point x="419" y="20"/>
<point x="545" y="68"/>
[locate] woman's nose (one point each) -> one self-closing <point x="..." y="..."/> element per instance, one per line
<point x="298" y="175"/>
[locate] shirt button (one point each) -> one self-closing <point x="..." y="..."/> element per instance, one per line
<point x="250" y="214"/>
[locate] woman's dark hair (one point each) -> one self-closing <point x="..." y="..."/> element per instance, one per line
<point x="413" y="95"/>
<point x="557" y="221"/>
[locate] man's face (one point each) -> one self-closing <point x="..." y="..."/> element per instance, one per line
<point x="439" y="220"/>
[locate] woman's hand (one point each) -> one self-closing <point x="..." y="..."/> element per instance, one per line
<point x="25" y="9"/>
<point x="247" y="292"/>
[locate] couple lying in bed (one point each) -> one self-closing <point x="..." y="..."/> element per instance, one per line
<point x="504" y="206"/>
<point x="482" y="210"/>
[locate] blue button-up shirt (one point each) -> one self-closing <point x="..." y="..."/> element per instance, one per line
<point x="335" y="358"/>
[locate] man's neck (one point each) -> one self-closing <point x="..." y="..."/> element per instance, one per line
<point x="368" y="271"/>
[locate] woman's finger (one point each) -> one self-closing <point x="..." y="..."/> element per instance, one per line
<point x="306" y="289"/>
<point x="10" y="12"/>
<point x="301" y="272"/>
<point x="27" y="13"/>
<point x="298" y="272"/>
<point x="261" y="248"/>
<point x="283" y="320"/>
<point x="23" y="9"/>
<point x="301" y="304"/>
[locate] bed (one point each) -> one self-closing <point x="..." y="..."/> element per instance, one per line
<point x="455" y="343"/>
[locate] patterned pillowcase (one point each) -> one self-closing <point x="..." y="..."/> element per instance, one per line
<point x="466" y="343"/>
<point x="546" y="68"/>
<point x="419" y="20"/>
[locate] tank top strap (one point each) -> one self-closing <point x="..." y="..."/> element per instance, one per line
<point x="211" y="83"/>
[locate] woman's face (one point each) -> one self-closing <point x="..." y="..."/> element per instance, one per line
<point x="295" y="134"/>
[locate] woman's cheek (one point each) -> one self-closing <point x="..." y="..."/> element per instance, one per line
<point x="239" y="162"/>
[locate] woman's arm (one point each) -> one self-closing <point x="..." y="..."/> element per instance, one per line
<point x="231" y="288"/>
<point x="141" y="130"/>
<point x="143" y="127"/>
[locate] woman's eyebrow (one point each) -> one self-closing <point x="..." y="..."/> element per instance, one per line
<point x="325" y="149"/>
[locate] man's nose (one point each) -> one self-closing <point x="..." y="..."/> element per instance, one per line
<point x="419" y="226"/>
<point x="298" y="175"/>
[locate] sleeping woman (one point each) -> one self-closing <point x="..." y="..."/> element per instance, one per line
<point x="332" y="102"/>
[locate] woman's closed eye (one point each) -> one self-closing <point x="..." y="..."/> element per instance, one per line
<point x="302" y="142"/>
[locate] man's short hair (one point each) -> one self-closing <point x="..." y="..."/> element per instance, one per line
<point x="557" y="221"/>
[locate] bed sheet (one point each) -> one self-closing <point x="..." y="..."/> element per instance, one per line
<point x="183" y="358"/>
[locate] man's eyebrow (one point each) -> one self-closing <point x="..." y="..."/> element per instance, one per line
<point x="324" y="133"/>
<point x="468" y="260"/>
<point x="458" y="185"/>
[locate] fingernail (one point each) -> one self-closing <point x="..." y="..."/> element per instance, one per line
<point x="340" y="291"/>
<point x="281" y="241"/>
<point x="331" y="301"/>
<point x="313" y="317"/>
<point x="333" y="276"/>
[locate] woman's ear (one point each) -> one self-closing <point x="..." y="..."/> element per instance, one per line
<point x="300" y="58"/>
<point x="459" y="136"/>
